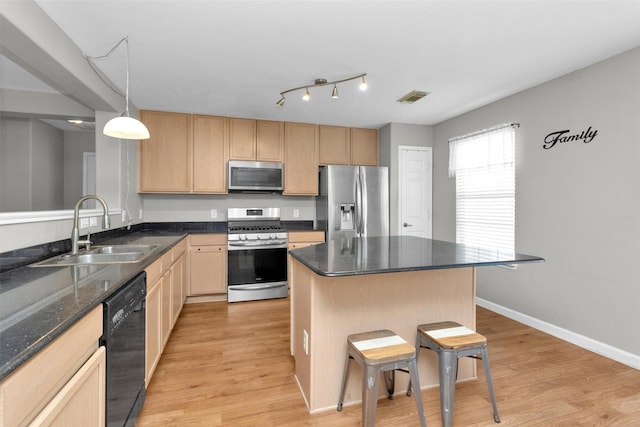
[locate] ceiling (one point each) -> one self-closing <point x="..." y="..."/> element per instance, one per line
<point x="233" y="58"/>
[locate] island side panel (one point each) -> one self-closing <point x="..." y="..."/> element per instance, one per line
<point x="300" y="300"/>
<point x="340" y="306"/>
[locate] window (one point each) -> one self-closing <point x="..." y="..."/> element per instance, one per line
<point x="483" y="164"/>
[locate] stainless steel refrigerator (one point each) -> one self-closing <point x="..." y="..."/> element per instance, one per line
<point x="353" y="201"/>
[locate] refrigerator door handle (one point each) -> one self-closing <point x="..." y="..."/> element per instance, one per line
<point x="362" y="202"/>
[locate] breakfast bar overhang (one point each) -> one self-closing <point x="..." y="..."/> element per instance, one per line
<point x="353" y="285"/>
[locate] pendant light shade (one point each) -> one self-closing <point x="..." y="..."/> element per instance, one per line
<point x="125" y="127"/>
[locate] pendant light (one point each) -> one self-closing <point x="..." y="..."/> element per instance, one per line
<point x="125" y="126"/>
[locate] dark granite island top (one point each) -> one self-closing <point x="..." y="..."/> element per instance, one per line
<point x="371" y="255"/>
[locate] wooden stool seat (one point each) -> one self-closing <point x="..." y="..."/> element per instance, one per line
<point x="451" y="341"/>
<point x="378" y="352"/>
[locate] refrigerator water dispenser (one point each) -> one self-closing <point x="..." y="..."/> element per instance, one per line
<point x="347" y="214"/>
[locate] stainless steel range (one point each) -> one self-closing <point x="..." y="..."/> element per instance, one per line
<point x="257" y="251"/>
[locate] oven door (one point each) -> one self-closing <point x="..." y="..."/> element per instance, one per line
<point x="256" y="273"/>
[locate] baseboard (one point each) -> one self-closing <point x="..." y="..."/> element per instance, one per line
<point x="587" y="343"/>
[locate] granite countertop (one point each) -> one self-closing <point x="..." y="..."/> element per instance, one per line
<point x="372" y="255"/>
<point x="37" y="304"/>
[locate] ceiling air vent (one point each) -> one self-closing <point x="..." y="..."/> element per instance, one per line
<point x="412" y="97"/>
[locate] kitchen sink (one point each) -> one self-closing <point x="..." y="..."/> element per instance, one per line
<point x="115" y="254"/>
<point x="120" y="249"/>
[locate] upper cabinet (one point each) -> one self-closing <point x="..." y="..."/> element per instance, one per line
<point x="165" y="159"/>
<point x="334" y="145"/>
<point x="300" y="159"/>
<point x="348" y="146"/>
<point x="210" y="154"/>
<point x="189" y="153"/>
<point x="364" y="147"/>
<point x="259" y="140"/>
<point x="185" y="154"/>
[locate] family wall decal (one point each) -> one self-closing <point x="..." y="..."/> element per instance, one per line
<point x="562" y="136"/>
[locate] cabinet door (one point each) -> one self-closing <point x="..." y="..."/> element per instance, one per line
<point x="270" y="141"/>
<point x="153" y="329"/>
<point x="210" y="154"/>
<point x="165" y="159"/>
<point x="333" y="145"/>
<point x="166" y="323"/>
<point x="81" y="402"/>
<point x="177" y="288"/>
<point x="364" y="147"/>
<point x="301" y="159"/>
<point x="208" y="270"/>
<point x="242" y="139"/>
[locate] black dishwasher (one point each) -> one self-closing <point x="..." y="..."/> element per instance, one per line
<point x="124" y="339"/>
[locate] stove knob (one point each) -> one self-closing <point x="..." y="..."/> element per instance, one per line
<point x="272" y="237"/>
<point x="259" y="237"/>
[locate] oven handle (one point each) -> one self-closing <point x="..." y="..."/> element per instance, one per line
<point x="258" y="245"/>
<point x="257" y="287"/>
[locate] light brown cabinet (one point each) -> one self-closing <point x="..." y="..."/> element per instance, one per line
<point x="73" y="390"/>
<point x="165" y="159"/>
<point x="210" y="154"/>
<point x="185" y="154"/>
<point x="207" y="264"/>
<point x="334" y="145"/>
<point x="364" y="147"/>
<point x="301" y="159"/>
<point x="348" y="146"/>
<point x="259" y="140"/>
<point x="166" y="280"/>
<point x="301" y="239"/>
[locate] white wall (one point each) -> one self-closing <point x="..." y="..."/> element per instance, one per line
<point x="577" y="204"/>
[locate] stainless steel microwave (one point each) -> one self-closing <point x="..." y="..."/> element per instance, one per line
<point x="255" y="176"/>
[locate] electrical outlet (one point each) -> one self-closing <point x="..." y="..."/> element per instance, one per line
<point x="214" y="213"/>
<point x="84" y="222"/>
<point x="124" y="216"/>
<point x="305" y="342"/>
<point x="140" y="214"/>
<point x="93" y="221"/>
<point x="296" y="213"/>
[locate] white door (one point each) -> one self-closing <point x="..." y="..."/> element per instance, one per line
<point x="414" y="185"/>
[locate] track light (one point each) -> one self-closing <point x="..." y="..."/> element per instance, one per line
<point x="363" y="84"/>
<point x="322" y="82"/>
<point x="334" y="92"/>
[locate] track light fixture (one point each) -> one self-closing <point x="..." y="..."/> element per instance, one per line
<point x="322" y="82"/>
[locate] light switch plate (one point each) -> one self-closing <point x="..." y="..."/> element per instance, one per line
<point x="93" y="221"/>
<point x="84" y="222"/>
<point x="296" y="213"/>
<point x="214" y="213"/>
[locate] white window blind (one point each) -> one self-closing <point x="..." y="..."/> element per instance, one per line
<point x="483" y="164"/>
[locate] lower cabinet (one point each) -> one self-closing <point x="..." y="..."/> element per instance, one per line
<point x="166" y="280"/>
<point x="207" y="264"/>
<point x="62" y="385"/>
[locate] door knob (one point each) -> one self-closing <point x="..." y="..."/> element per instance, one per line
<point x="407" y="225"/>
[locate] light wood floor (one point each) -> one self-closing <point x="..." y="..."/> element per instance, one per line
<point x="229" y="365"/>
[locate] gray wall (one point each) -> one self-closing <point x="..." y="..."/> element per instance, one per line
<point x="576" y="203"/>
<point x="75" y="145"/>
<point x="32" y="165"/>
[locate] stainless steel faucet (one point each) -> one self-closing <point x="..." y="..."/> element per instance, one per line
<point x="75" y="232"/>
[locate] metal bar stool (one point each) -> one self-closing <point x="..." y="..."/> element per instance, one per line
<point x="380" y="352"/>
<point x="452" y="341"/>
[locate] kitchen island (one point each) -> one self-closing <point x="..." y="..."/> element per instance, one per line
<point x="354" y="285"/>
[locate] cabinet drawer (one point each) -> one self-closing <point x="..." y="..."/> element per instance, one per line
<point x="28" y="390"/>
<point x="208" y="239"/>
<point x="178" y="249"/>
<point x="306" y="236"/>
<point x="154" y="271"/>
